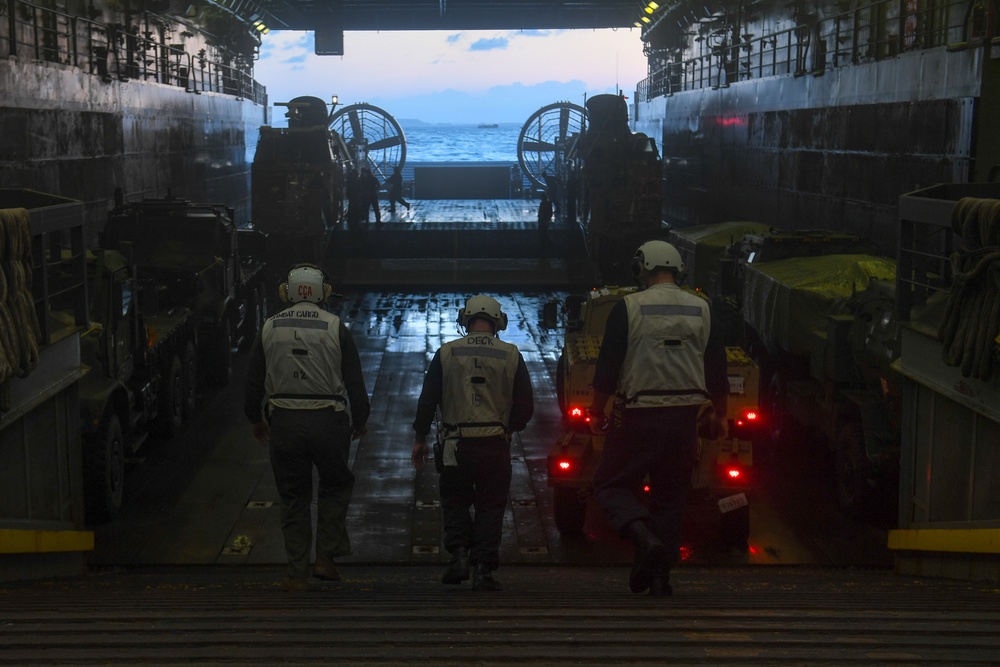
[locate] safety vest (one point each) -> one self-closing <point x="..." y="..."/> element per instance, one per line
<point x="302" y="351"/>
<point x="667" y="334"/>
<point x="477" y="385"/>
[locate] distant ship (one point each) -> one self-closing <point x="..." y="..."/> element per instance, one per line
<point x="487" y="126"/>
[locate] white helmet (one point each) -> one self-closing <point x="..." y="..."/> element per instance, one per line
<point x="483" y="306"/>
<point x="656" y="255"/>
<point x="306" y="282"/>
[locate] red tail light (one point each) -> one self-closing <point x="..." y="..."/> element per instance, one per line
<point x="578" y="414"/>
<point x="562" y="467"/>
<point x="749" y="418"/>
<point x="646" y="488"/>
<point x="734" y="474"/>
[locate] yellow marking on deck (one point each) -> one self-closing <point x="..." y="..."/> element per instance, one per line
<point x="18" y="541"/>
<point x="957" y="540"/>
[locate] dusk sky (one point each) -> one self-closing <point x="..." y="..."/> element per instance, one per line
<point x="454" y="77"/>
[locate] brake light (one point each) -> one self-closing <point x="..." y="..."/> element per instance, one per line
<point x="749" y="418"/>
<point x="733" y="474"/>
<point x="578" y="414"/>
<point x="562" y="466"/>
<point x="646" y="488"/>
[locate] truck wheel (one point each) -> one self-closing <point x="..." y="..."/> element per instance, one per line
<point x="734" y="528"/>
<point x="104" y="470"/>
<point x="570" y="511"/>
<point x="190" y="375"/>
<point x="561" y="384"/>
<point x="256" y="321"/>
<point x="854" y="493"/>
<point x="220" y="355"/>
<point x="170" y="411"/>
<point x="779" y="422"/>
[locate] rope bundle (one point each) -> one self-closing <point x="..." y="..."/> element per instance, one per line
<point x="971" y="321"/>
<point x="19" y="329"/>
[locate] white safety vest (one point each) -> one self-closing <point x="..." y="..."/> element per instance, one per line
<point x="668" y="332"/>
<point x="477" y="385"/>
<point x="302" y="351"/>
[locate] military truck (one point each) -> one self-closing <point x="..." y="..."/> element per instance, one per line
<point x="814" y="310"/>
<point x="200" y="261"/>
<point x="143" y="361"/>
<point x="723" y="471"/>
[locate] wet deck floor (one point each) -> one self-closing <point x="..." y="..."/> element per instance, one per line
<point x="191" y="571"/>
<point x="208" y="496"/>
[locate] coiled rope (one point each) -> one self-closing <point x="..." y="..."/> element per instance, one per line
<point x="19" y="328"/>
<point x="971" y="322"/>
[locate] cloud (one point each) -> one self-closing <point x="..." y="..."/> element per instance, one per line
<point x="490" y="44"/>
<point x="453" y="39"/>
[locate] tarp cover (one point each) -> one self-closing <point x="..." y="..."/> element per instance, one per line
<point x="708" y="243"/>
<point x="787" y="300"/>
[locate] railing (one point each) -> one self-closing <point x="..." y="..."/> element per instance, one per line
<point x="872" y="32"/>
<point x="32" y="32"/>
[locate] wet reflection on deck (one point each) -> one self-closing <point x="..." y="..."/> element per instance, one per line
<point x="208" y="497"/>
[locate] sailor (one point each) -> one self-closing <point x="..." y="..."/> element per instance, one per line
<point x="484" y="391"/>
<point x="304" y="377"/>
<point x="662" y="360"/>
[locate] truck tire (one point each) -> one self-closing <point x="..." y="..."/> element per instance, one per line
<point x="104" y="470"/>
<point x="569" y="510"/>
<point x="190" y="375"/>
<point x="780" y="425"/>
<point x="171" y="401"/>
<point x="561" y="384"/>
<point x="855" y="494"/>
<point x="219" y="360"/>
<point x="255" y="320"/>
<point x="734" y="528"/>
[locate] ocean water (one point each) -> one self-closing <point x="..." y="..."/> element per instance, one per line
<point x="461" y="143"/>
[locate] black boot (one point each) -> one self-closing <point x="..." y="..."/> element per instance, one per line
<point x="482" y="579"/>
<point x="650" y="555"/>
<point x="458" y="569"/>
<point x="661" y="582"/>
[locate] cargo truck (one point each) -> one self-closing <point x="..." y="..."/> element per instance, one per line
<point x="200" y="261"/>
<point x="814" y="310"/>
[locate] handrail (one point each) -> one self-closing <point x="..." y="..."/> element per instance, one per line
<point x="876" y="31"/>
<point x="32" y="32"/>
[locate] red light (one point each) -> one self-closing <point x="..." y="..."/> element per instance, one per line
<point x="750" y="416"/>
<point x="564" y="465"/>
<point x="577" y="413"/>
<point x="646" y="488"/>
<point x="733" y="473"/>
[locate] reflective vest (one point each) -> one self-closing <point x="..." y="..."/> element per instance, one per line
<point x="477" y="385"/>
<point x="302" y="352"/>
<point x="667" y="334"/>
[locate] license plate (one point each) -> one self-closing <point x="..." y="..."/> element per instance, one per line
<point x="731" y="503"/>
<point x="736" y="385"/>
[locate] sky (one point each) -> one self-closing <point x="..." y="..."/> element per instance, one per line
<point x="453" y="77"/>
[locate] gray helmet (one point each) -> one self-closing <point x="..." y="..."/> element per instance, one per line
<point x="305" y="282"/>
<point x="656" y="255"/>
<point x="483" y="306"/>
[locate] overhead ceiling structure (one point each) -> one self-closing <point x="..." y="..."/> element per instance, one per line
<point x="387" y="15"/>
